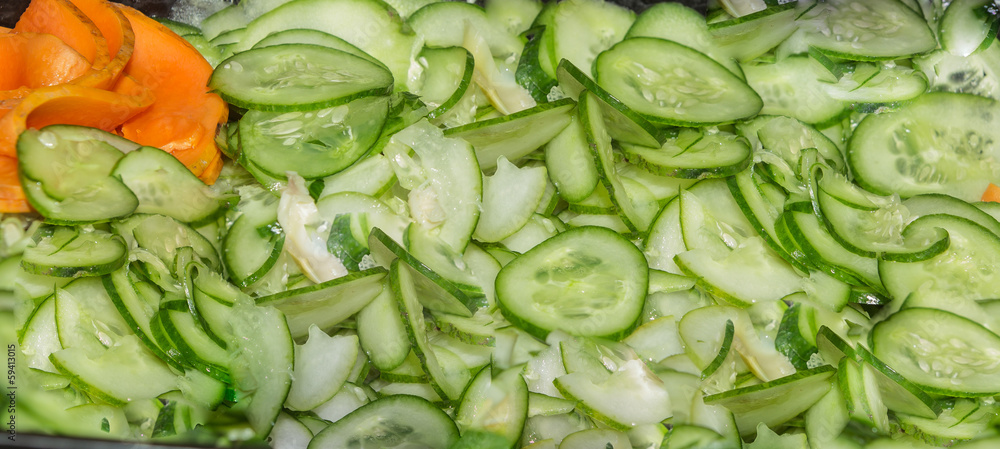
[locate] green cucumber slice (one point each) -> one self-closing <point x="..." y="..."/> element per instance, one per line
<point x="674" y="85"/>
<point x="392" y="420"/>
<point x="586" y="281"/>
<point x="297" y="77"/>
<point x="313" y="143"/>
<point x="72" y="252"/>
<point x="939" y="351"/>
<point x="939" y="143"/>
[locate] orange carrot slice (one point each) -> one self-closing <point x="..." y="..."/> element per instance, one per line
<point x="11" y="195"/>
<point x="992" y="193"/>
<point x="117" y="31"/>
<point x="185" y="117"/>
<point x="65" y="21"/>
<point x="74" y="105"/>
<point x="37" y="60"/>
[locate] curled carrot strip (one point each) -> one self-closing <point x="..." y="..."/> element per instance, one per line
<point x="120" y="40"/>
<point x="75" y="105"/>
<point x="37" y="60"/>
<point x="62" y="19"/>
<point x="185" y="117"/>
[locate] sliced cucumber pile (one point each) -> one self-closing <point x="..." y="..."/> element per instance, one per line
<point x="534" y="225"/>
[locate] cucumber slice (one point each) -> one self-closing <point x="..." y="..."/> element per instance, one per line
<point x="158" y="178"/>
<point x="774" y="403"/>
<point x="65" y="174"/>
<point x="752" y="35"/>
<point x="313" y="143"/>
<point x="962" y="270"/>
<point x="694" y="155"/>
<point x="867" y="31"/>
<point x="443" y="24"/>
<point x="796" y="87"/>
<point x="322" y="365"/>
<point x="315" y="37"/>
<point x="444" y="179"/>
<point x="940" y="351"/>
<point x="328" y="303"/>
<point x="586" y="281"/>
<point x="637" y="211"/>
<point x="939" y="143"/>
<point x="656" y="78"/>
<point x="72" y="252"/>
<point x="510" y="198"/>
<point x="381" y="36"/>
<point x="297" y="77"/>
<point x="514" y="136"/>
<point x="121" y="374"/>
<point x="392" y="420"/>
<point x="623" y="123"/>
<point x="967" y="26"/>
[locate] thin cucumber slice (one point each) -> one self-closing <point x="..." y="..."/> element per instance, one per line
<point x="446" y="78"/>
<point x="454" y="294"/>
<point x="371" y="176"/>
<point x="252" y="246"/>
<point x="752" y="35"/>
<point x="695" y="155"/>
<point x="322" y="366"/>
<point x="514" y="136"/>
<point x="315" y="37"/>
<point x="447" y="380"/>
<point x="510" y="198"/>
<point x="297" y="77"/>
<point x="933" y="203"/>
<point x="395" y="419"/>
<point x="563" y="282"/>
<point x="891" y="153"/>
<point x="966" y="26"/>
<point x="637" y="212"/>
<point x="123" y="373"/>
<point x="582" y="29"/>
<point x="66" y="176"/>
<point x="795" y="87"/>
<point x="657" y="78"/>
<point x="964" y="269"/>
<point x="313" y="143"/>
<point x="775" y="402"/>
<point x="267" y="363"/>
<point x="326" y="304"/>
<point x="382" y="333"/>
<point x="73" y="252"/>
<point x="444" y="180"/>
<point x="443" y="24"/>
<point x="158" y="179"/>
<point x="629" y="397"/>
<point x="623" y="123"/>
<point x="942" y="352"/>
<point x="495" y="403"/>
<point x="867" y="31"/>
<point x="681" y="24"/>
<point x="381" y="36"/>
<point x="570" y="163"/>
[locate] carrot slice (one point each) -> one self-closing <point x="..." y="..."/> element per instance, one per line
<point x="11" y="195"/>
<point x="117" y="30"/>
<point x="74" y="105"/>
<point x="65" y="21"/>
<point x="992" y="193"/>
<point x="37" y="60"/>
<point x="185" y="117"/>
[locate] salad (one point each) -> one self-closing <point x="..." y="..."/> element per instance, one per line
<point x="412" y="223"/>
